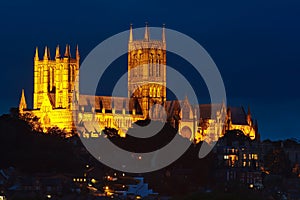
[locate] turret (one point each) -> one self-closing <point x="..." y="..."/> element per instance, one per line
<point x="57" y="53"/>
<point x="147" y="36"/>
<point x="130" y="34"/>
<point x="249" y="120"/>
<point x="67" y="52"/>
<point x="77" y="53"/>
<point x="46" y="54"/>
<point x="163" y="34"/>
<point x="36" y="56"/>
<point x="22" y="104"/>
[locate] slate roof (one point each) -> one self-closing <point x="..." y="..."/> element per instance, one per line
<point x="173" y="108"/>
<point x="108" y="102"/>
<point x="238" y="116"/>
<point x="206" y="110"/>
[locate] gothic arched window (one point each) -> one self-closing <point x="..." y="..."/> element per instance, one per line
<point x="158" y="66"/>
<point x="150" y="92"/>
<point x="158" y="92"/>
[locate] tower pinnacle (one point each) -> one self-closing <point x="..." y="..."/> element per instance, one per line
<point x="22" y="104"/>
<point x="147" y="36"/>
<point x="67" y="52"/>
<point x="77" y="52"/>
<point x="57" y="53"/>
<point x="46" y="54"/>
<point x="130" y="34"/>
<point x="36" y="56"/>
<point x="163" y="34"/>
<point x="249" y="112"/>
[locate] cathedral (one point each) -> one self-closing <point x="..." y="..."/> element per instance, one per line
<point x="56" y="84"/>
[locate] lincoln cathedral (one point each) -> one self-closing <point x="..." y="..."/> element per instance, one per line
<point x="56" y="88"/>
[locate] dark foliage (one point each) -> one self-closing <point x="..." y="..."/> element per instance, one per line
<point x="33" y="151"/>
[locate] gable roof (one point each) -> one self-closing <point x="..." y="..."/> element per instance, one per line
<point x="238" y="116"/>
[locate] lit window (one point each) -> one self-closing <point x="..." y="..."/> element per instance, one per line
<point x="225" y="157"/>
<point x="254" y="157"/>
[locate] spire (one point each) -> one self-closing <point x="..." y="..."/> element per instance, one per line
<point x="256" y="126"/>
<point x="67" y="52"/>
<point x="77" y="53"/>
<point x="249" y="120"/>
<point x="49" y="53"/>
<point x="186" y="98"/>
<point x="147" y="36"/>
<point x="249" y="112"/>
<point x="46" y="54"/>
<point x="130" y="34"/>
<point x="163" y="34"/>
<point x="22" y="104"/>
<point x="257" y="135"/>
<point x="36" y="56"/>
<point x="57" y="53"/>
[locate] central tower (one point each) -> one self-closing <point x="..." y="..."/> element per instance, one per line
<point x="147" y="70"/>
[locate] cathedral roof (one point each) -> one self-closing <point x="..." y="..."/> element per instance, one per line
<point x="107" y="102"/>
<point x="238" y="115"/>
<point x="206" y="110"/>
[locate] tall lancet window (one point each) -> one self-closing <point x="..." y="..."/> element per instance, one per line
<point x="41" y="78"/>
<point x="52" y="79"/>
<point x="158" y="66"/>
<point x="158" y="92"/>
<point x="60" y="76"/>
<point x="150" y="92"/>
<point x="140" y="66"/>
<point x="151" y="65"/>
<point x="136" y="63"/>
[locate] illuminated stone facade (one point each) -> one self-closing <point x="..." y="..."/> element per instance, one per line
<point x="147" y="70"/>
<point x="56" y="86"/>
<point x="55" y="83"/>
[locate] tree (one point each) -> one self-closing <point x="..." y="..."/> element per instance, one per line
<point x="277" y="162"/>
<point x="56" y="132"/>
<point x="31" y="120"/>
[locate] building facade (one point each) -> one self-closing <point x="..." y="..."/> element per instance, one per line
<point x="58" y="102"/>
<point x="239" y="159"/>
<point x="55" y="83"/>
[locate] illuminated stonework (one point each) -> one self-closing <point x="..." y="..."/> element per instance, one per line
<point x="56" y="81"/>
<point x="54" y="86"/>
<point x="147" y="70"/>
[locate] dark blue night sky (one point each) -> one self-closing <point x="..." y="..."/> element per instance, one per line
<point x="254" y="43"/>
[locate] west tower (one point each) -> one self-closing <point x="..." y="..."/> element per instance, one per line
<point x="147" y="70"/>
<point x="56" y="79"/>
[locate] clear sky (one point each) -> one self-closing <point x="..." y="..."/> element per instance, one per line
<point x="254" y="43"/>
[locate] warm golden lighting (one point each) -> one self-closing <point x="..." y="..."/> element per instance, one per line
<point x="56" y="84"/>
